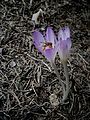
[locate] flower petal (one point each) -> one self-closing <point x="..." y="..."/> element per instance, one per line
<point x="67" y="32"/>
<point x="69" y="43"/>
<point x="50" y="37"/>
<point x="64" y="33"/>
<point x="38" y="40"/>
<point x="64" y="43"/>
<point x="64" y="49"/>
<point x="50" y="54"/>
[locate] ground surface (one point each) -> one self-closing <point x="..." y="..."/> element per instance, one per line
<point x="26" y="77"/>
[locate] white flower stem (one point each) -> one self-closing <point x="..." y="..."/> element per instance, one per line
<point x="57" y="73"/>
<point x="67" y="80"/>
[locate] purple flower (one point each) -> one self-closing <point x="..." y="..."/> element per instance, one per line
<point x="64" y="43"/>
<point x="46" y="45"/>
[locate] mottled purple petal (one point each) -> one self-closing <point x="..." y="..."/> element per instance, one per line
<point x="50" y="37"/>
<point x="38" y="40"/>
<point x="50" y="54"/>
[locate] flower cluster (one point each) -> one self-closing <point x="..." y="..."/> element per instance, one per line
<point x="49" y="45"/>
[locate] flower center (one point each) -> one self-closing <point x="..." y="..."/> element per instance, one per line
<point x="47" y="45"/>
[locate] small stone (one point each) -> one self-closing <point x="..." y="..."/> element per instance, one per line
<point x="12" y="64"/>
<point x="54" y="100"/>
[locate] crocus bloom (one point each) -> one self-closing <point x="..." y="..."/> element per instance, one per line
<point x="64" y="43"/>
<point x="46" y="45"/>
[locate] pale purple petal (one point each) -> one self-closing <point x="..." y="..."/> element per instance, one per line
<point x="64" y="43"/>
<point x="67" y="32"/>
<point x="64" y="33"/>
<point x="61" y="35"/>
<point x="69" y="43"/>
<point x="50" y="37"/>
<point x="38" y="40"/>
<point x="64" y="49"/>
